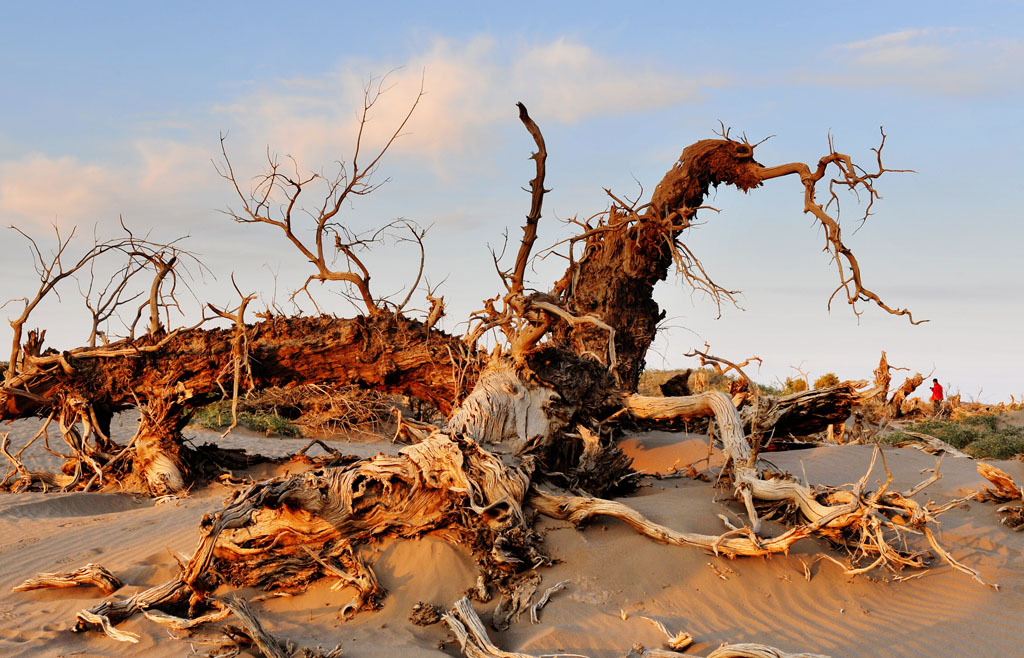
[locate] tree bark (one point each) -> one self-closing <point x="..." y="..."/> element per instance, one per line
<point x="623" y="258"/>
<point x="172" y="375"/>
<point x="386" y="352"/>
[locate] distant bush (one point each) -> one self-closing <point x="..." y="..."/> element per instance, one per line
<point x="979" y="436"/>
<point x="826" y="380"/>
<point x="768" y="389"/>
<point x="792" y="385"/>
<point x="651" y="381"/>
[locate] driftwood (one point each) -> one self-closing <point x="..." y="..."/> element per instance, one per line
<point x="91" y="574"/>
<point x="1003" y="486"/>
<point x="933" y="445"/>
<point x="1003" y="490"/>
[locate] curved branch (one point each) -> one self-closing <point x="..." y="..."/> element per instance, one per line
<point x="851" y="282"/>
<point x="537" y="191"/>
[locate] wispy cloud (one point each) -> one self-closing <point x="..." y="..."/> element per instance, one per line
<point x="469" y="87"/>
<point x="941" y="61"/>
<point x="41" y="190"/>
<point x="37" y="191"/>
<point x="904" y="49"/>
<point x="469" y="91"/>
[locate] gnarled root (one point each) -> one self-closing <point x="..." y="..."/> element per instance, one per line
<point x="870" y="525"/>
<point x="578" y="509"/>
<point x="286" y="532"/>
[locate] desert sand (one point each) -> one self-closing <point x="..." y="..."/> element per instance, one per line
<point x="617" y="581"/>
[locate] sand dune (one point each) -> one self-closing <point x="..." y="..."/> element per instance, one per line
<point x="612" y="573"/>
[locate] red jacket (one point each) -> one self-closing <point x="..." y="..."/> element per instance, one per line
<point x="936" y="391"/>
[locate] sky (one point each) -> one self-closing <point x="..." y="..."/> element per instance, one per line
<point x="115" y="110"/>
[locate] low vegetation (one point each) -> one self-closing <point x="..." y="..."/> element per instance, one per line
<point x="987" y="436"/>
<point x="711" y="380"/>
<point x="217" y="417"/>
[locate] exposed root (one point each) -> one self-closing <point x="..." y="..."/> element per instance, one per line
<point x="871" y="526"/>
<point x="578" y="509"/>
<point x="676" y="642"/>
<point x="286" y="532"/>
<point x="465" y="624"/>
<point x="756" y="651"/>
<point x="543" y="601"/>
<point x="515" y="600"/>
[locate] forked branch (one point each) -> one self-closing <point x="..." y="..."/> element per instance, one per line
<point x="274" y="199"/>
<point x="856" y="180"/>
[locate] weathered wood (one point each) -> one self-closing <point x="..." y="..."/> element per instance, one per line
<point x="469" y="631"/>
<point x="629" y="252"/>
<point x="803" y="413"/>
<point x="1003" y="486"/>
<point x="91" y="574"/>
<point x="387" y="352"/>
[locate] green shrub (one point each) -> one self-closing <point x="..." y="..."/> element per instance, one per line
<point x="979" y="436"/>
<point x="217" y="417"/>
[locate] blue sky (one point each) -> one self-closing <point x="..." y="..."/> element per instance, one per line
<point x="116" y="108"/>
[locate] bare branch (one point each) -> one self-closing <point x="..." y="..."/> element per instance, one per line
<point x="854" y="179"/>
<point x="347" y="182"/>
<point x="537" y="200"/>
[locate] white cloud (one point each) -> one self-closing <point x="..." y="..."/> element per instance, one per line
<point x="172" y="168"/>
<point x="942" y="61"/>
<point x="37" y="191"/>
<point x="891" y="39"/>
<point x="468" y="88"/>
<point x="572" y="82"/>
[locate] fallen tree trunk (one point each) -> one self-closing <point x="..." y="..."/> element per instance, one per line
<point x="170" y="376"/>
<point x="387" y="352"/>
<point x="798" y="414"/>
<point x="803" y="413"/>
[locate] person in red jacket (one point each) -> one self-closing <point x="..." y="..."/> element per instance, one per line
<point x="936" y="396"/>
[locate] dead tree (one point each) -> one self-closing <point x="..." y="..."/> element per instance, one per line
<point x="524" y="428"/>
